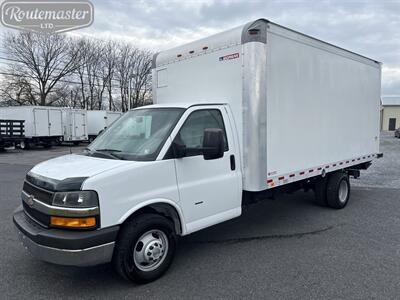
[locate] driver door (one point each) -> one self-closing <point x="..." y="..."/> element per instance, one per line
<point x="210" y="190"/>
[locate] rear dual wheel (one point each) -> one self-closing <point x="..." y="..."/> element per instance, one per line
<point x="25" y="145"/>
<point x="333" y="190"/>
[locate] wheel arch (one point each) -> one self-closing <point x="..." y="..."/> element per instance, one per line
<point x="164" y="207"/>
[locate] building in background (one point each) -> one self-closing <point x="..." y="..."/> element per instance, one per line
<point x="390" y="113"/>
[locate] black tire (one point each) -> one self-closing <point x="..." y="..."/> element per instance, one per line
<point x="338" y="190"/>
<point x="128" y="240"/>
<point x="25" y="145"/>
<point x="320" y="191"/>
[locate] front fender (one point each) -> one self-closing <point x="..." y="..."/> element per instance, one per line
<point x="156" y="201"/>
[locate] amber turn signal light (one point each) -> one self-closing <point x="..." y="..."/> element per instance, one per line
<point x="73" y="222"/>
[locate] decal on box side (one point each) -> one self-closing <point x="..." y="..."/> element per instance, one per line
<point x="229" y="56"/>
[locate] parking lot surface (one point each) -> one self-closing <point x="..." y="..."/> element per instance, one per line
<point x="283" y="248"/>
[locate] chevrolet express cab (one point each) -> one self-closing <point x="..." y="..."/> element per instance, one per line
<point x="238" y="117"/>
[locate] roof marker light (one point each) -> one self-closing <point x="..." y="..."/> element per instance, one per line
<point x="253" y="31"/>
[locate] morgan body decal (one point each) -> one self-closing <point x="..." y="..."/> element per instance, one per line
<point x="229" y="56"/>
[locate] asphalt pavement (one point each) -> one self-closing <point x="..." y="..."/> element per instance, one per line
<point x="287" y="248"/>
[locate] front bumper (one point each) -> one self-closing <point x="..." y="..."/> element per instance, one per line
<point x="65" y="247"/>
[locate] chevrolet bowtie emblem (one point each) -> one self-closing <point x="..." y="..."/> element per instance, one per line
<point x="30" y="201"/>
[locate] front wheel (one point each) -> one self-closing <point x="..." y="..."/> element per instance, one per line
<point x="145" y="248"/>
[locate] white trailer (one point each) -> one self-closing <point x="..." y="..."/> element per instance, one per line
<point x="239" y="117"/>
<point x="75" y="125"/>
<point x="98" y="120"/>
<point x="43" y="125"/>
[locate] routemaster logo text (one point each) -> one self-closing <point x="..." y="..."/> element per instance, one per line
<point x="229" y="56"/>
<point x="48" y="16"/>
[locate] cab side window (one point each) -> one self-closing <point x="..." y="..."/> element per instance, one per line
<point x="192" y="132"/>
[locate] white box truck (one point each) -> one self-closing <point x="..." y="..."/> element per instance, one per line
<point x="99" y="120"/>
<point x="43" y="124"/>
<point x="75" y="125"/>
<point x="239" y="116"/>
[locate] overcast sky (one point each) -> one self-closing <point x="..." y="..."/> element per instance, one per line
<point x="371" y="28"/>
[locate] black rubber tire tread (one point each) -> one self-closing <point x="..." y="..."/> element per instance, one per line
<point x="332" y="190"/>
<point x="28" y="145"/>
<point x="130" y="232"/>
<point x="320" y="191"/>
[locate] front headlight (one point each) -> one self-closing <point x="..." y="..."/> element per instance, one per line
<point x="78" y="199"/>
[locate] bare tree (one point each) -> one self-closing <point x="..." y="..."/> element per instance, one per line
<point x="76" y="72"/>
<point x="45" y="59"/>
<point x="110" y="61"/>
<point x="124" y="68"/>
<point x="17" y="90"/>
<point x="140" y="78"/>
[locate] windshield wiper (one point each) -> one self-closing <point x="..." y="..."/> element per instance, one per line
<point x="108" y="152"/>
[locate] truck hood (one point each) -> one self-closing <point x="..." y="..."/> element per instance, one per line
<point x="72" y="165"/>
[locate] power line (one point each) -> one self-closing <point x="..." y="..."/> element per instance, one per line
<point x="58" y="69"/>
<point x="61" y="80"/>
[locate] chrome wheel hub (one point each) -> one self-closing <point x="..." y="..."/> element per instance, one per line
<point x="150" y="250"/>
<point x="343" y="191"/>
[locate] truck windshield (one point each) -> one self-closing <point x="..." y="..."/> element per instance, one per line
<point x="138" y="135"/>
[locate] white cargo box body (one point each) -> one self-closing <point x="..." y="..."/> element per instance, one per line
<point x="40" y="121"/>
<point x="100" y="119"/>
<point x="75" y="125"/>
<point x="301" y="106"/>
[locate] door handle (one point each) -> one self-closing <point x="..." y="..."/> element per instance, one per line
<point x="233" y="163"/>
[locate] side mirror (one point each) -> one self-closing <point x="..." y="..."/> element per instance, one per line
<point x="179" y="150"/>
<point x="213" y="143"/>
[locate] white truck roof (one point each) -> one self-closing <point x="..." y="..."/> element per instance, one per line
<point x="240" y="35"/>
<point x="184" y="105"/>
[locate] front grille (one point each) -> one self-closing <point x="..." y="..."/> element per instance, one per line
<point x="41" y="195"/>
<point x="38" y="193"/>
<point x="38" y="216"/>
